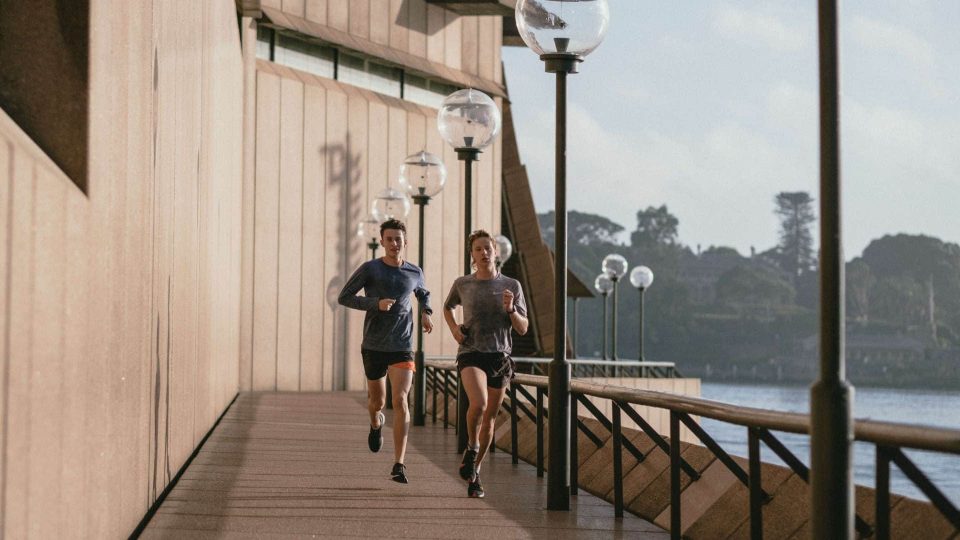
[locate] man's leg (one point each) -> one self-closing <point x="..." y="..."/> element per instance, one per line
<point x="474" y="382"/>
<point x="487" y="426"/>
<point x="400" y="380"/>
<point x="376" y="399"/>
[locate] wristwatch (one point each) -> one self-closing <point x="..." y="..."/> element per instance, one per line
<point x="512" y="311"/>
<point x="428" y="311"/>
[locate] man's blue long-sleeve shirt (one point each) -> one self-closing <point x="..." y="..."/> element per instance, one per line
<point x="387" y="331"/>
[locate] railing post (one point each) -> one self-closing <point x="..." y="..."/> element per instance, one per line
<point x="574" y="446"/>
<point x="674" y="476"/>
<point x="514" y="446"/>
<point x="617" y="462"/>
<point x="756" y="489"/>
<point x="882" y="526"/>
<point x="433" y="377"/>
<point x="446" y="399"/>
<point x="539" y="432"/>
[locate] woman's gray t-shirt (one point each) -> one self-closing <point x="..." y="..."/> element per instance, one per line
<point x="387" y="331"/>
<point x="487" y="323"/>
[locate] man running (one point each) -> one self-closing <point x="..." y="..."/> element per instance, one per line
<point x="387" y="331"/>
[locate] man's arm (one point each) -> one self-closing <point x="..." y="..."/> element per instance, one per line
<point x="348" y="295"/>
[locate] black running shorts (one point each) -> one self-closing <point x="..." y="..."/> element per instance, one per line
<point x="498" y="366"/>
<point x="375" y="363"/>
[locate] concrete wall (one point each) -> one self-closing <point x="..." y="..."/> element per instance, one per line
<point x="119" y="307"/>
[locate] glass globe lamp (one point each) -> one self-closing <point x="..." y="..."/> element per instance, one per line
<point x="422" y="174"/>
<point x="390" y="204"/>
<point x="603" y="284"/>
<point x="369" y="229"/>
<point x="614" y="266"/>
<point x="468" y="119"/>
<point x="568" y="27"/>
<point x="504" y="248"/>
<point x="641" y="277"/>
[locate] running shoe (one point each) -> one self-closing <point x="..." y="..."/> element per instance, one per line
<point x="475" y="488"/>
<point x="399" y="473"/>
<point x="375" y="438"/>
<point x="468" y="467"/>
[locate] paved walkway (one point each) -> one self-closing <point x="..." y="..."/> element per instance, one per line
<point x="297" y="465"/>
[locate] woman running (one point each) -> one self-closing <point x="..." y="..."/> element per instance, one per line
<point x="493" y="305"/>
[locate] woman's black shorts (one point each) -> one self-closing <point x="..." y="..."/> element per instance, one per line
<point x="375" y="363"/>
<point x="498" y="366"/>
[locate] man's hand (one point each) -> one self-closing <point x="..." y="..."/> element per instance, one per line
<point x="508" y="300"/>
<point x="427" y="323"/>
<point x="386" y="303"/>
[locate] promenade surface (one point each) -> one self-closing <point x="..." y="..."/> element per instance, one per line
<point x="286" y="465"/>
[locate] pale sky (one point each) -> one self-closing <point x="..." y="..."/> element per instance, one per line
<point x="710" y="107"/>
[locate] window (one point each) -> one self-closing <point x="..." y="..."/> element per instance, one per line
<point x="325" y="61"/>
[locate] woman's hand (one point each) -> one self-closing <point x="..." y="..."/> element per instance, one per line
<point x="508" y="300"/>
<point x="458" y="335"/>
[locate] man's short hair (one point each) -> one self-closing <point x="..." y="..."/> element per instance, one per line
<point x="393" y="224"/>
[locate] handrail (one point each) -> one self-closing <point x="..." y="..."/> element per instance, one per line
<point x="888" y="437"/>
<point x="581" y="362"/>
<point x="917" y="437"/>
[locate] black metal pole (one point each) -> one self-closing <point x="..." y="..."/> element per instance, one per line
<point x="603" y="339"/>
<point x="640" y="335"/>
<point x="467" y="156"/>
<point x="831" y="397"/>
<point x="419" y="377"/>
<point x="558" y="474"/>
<point x="613" y="322"/>
<point x="373" y="249"/>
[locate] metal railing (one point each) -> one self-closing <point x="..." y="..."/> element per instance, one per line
<point x="889" y="438"/>
<point x="594" y="368"/>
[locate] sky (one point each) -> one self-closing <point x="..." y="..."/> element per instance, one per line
<point x="711" y="108"/>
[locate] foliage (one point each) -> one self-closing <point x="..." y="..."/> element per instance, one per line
<point x="795" y="250"/>
<point x="655" y="227"/>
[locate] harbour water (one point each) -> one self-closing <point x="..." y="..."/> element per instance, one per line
<point x="907" y="406"/>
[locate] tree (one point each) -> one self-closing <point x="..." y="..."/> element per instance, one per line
<point x="859" y="282"/>
<point x="795" y="210"/>
<point x="655" y="226"/>
<point x="582" y="228"/>
<point x="754" y="285"/>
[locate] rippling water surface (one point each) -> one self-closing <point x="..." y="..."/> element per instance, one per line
<point x="932" y="408"/>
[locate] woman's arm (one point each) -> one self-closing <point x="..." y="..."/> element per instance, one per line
<point x="452" y="324"/>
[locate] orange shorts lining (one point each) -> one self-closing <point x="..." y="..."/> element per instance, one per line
<point x="405" y="365"/>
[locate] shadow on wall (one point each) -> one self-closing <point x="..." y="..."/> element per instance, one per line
<point x="343" y="185"/>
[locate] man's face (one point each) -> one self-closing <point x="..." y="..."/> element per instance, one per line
<point x="393" y="241"/>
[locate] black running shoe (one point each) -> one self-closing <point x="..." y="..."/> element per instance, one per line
<point x="375" y="438"/>
<point x="468" y="467"/>
<point x="399" y="473"/>
<point x="475" y="488"/>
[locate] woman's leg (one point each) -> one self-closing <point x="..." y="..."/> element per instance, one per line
<point x="495" y="399"/>
<point x="474" y="382"/>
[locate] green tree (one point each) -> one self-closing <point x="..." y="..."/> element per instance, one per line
<point x="859" y="281"/>
<point x="655" y="226"/>
<point x="753" y="285"/>
<point x="582" y="228"/>
<point x="795" y="250"/>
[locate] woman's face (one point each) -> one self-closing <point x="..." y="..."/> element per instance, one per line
<point x="484" y="252"/>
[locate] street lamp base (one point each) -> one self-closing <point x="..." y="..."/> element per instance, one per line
<point x="561" y="62"/>
<point x="467" y="154"/>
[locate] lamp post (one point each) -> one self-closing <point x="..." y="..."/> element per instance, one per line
<point x="831" y="396"/>
<point x="469" y="121"/>
<point x="614" y="266"/>
<point x="504" y="250"/>
<point x="562" y="32"/>
<point x="603" y="284"/>
<point x="641" y="277"/>
<point x="422" y="176"/>
<point x="369" y="230"/>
